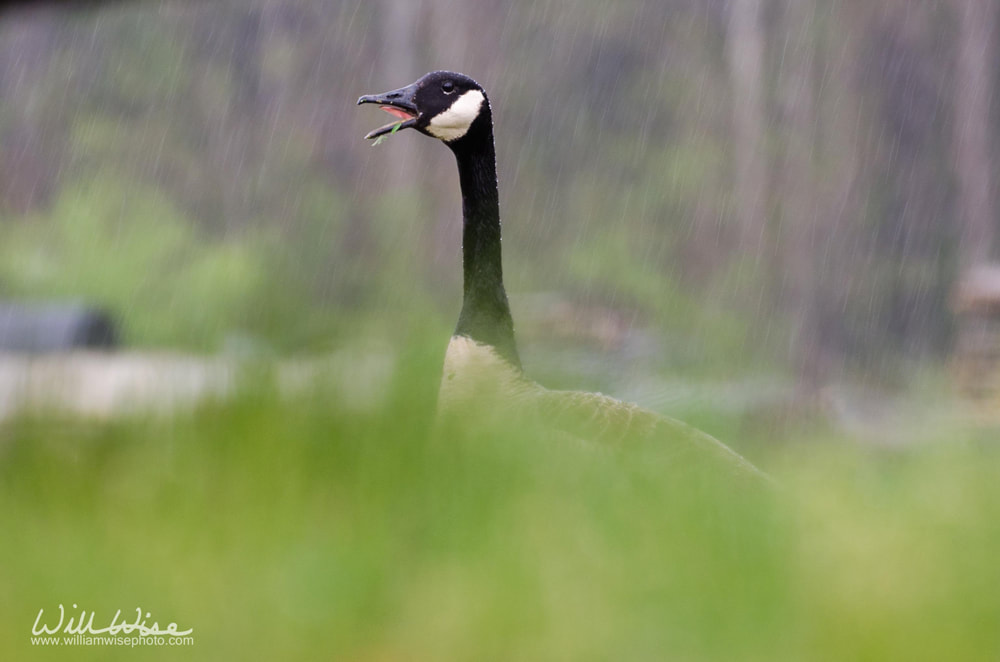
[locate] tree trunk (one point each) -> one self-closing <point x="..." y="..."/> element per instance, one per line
<point x="797" y="186"/>
<point x="972" y="135"/>
<point x="27" y="43"/>
<point x="400" y="23"/>
<point x="745" y="49"/>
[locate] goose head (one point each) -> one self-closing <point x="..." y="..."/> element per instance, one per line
<point x="442" y="104"/>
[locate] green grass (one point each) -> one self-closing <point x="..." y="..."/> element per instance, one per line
<point x="297" y="530"/>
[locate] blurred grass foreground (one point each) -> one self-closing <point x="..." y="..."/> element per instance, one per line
<point x="309" y="528"/>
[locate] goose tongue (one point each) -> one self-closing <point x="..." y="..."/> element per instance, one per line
<point x="397" y="112"/>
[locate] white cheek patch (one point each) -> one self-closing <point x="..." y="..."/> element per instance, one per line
<point x="453" y="123"/>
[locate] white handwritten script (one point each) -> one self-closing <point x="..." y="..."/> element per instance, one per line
<point x="84" y="624"/>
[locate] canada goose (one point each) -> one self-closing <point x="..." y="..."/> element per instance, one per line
<point x="482" y="360"/>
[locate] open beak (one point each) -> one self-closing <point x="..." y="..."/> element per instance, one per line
<point x="398" y="103"/>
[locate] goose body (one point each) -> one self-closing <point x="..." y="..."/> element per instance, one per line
<point x="482" y="362"/>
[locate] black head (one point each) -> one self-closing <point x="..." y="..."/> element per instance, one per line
<point x="442" y="104"/>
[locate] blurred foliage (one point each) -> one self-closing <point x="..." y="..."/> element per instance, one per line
<point x="236" y="123"/>
<point x="128" y="248"/>
<point x="224" y="136"/>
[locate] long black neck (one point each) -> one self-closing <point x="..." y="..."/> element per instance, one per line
<point x="485" y="315"/>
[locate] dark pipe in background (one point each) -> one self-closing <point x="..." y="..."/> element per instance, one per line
<point x="43" y="328"/>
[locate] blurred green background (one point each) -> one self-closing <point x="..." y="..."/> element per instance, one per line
<point x="731" y="184"/>
<point x="748" y="214"/>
